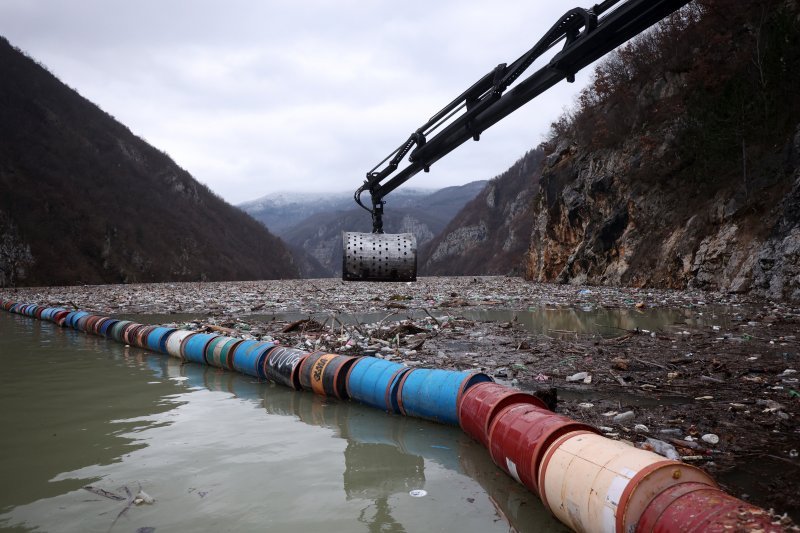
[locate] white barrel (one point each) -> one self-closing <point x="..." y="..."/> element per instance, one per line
<point x="175" y="340"/>
<point x="595" y="484"/>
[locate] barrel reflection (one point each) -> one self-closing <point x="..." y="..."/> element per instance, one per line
<point x="385" y="455"/>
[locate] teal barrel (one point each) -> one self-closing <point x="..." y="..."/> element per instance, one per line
<point x="157" y="339"/>
<point x="194" y="349"/>
<point x="218" y="349"/>
<point x="117" y="329"/>
<point x="248" y="357"/>
<point x="374" y="382"/>
<point x="434" y="394"/>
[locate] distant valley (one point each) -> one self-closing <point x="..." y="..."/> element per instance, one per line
<point x="312" y="224"/>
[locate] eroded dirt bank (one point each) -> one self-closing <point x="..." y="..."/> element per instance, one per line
<point x="710" y="377"/>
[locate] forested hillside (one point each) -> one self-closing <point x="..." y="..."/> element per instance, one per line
<point x="679" y="167"/>
<point x="84" y="200"/>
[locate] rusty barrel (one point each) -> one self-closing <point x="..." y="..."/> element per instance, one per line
<point x="129" y="333"/>
<point x="519" y="436"/>
<point x="93" y="326"/>
<point x="480" y="405"/>
<point x="248" y="357"/>
<point x="311" y="369"/>
<point x="697" y="507"/>
<point x="283" y="364"/>
<point x="326" y="374"/>
<point x="91" y="320"/>
<point x="375" y="382"/>
<point x="434" y="394"/>
<point x="60" y="318"/>
<point x="593" y="483"/>
<point x="140" y="338"/>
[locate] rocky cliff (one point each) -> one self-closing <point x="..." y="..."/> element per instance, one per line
<point x="491" y="233"/>
<point x="682" y="166"/>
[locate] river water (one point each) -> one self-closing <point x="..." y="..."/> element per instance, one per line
<point x="221" y="452"/>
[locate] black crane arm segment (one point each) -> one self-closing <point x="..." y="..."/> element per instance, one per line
<point x="587" y="34"/>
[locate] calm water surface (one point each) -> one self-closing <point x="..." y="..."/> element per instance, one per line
<point x="220" y="452"/>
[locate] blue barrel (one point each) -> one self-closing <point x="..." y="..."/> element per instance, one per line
<point x="68" y="320"/>
<point x="374" y="382"/>
<point x="157" y="339"/>
<point x="434" y="394"/>
<point x="73" y="322"/>
<point x="248" y="357"/>
<point x="105" y="327"/>
<point x="194" y="349"/>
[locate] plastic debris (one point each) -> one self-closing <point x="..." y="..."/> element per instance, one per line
<point x="624" y="417"/>
<point x="660" y="447"/>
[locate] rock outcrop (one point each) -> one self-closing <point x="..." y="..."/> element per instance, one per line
<point x="491" y="234"/>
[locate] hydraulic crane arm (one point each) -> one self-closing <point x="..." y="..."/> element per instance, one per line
<point x="588" y="34"/>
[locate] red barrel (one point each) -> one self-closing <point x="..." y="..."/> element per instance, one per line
<point x="60" y="317"/>
<point x="480" y="404"/>
<point x="96" y="326"/>
<point x="140" y="339"/>
<point x="130" y="331"/>
<point x="696" y="507"/>
<point x="91" y="323"/>
<point x="520" y="435"/>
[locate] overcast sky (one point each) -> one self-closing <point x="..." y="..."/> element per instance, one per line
<point x="256" y="97"/>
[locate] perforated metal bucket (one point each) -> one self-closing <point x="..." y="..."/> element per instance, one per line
<point x="379" y="257"/>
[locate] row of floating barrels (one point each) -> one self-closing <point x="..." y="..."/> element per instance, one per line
<point x="589" y="482"/>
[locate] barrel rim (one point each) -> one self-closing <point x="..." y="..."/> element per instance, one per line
<point x="640" y="477"/>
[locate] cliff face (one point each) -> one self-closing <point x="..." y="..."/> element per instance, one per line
<point x="686" y="172"/>
<point x="490" y="235"/>
<point x="86" y="201"/>
<point x="595" y="223"/>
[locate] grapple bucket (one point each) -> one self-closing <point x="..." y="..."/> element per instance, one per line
<point x="379" y="257"/>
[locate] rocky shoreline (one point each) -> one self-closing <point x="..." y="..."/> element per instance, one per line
<point x="711" y="378"/>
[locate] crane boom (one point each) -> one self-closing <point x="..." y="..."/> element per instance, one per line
<point x="588" y="34"/>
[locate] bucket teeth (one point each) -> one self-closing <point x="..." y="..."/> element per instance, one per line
<point x="379" y="257"/>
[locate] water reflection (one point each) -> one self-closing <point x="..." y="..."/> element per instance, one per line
<point x="386" y="455"/>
